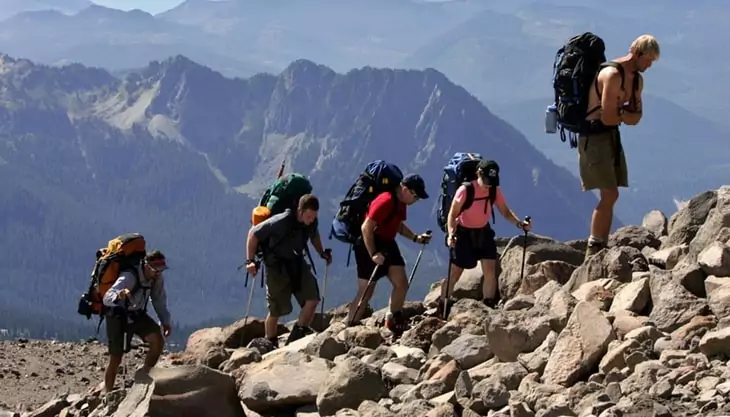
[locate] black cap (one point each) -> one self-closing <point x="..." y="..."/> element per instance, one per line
<point x="489" y="171"/>
<point x="415" y="183"/>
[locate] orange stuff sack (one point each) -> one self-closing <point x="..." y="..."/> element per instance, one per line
<point x="122" y="253"/>
<point x="260" y="214"/>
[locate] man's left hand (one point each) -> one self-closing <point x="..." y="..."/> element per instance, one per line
<point x="327" y="255"/>
<point x="166" y="330"/>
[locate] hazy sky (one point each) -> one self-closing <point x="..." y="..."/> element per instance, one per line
<point x="151" y="6"/>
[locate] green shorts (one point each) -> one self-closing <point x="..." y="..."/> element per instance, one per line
<point x="142" y="326"/>
<point x="601" y="161"/>
<point x="281" y="285"/>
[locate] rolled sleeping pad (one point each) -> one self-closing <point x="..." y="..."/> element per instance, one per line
<point x="260" y="214"/>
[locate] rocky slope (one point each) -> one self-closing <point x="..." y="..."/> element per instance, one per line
<point x="639" y="329"/>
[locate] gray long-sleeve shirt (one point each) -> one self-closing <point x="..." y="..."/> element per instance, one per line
<point x="150" y="289"/>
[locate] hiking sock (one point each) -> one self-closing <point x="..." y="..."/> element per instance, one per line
<point x="595" y="241"/>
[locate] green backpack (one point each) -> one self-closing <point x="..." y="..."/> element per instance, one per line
<point x="285" y="193"/>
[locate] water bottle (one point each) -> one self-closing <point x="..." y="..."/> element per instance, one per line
<point x="551" y="119"/>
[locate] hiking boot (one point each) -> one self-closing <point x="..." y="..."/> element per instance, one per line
<point x="396" y="323"/>
<point x="593" y="249"/>
<point x="490" y="302"/>
<point x="297" y="332"/>
<point x="440" y="309"/>
<point x="274" y="342"/>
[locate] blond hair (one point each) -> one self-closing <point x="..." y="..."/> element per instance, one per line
<point x="645" y="45"/>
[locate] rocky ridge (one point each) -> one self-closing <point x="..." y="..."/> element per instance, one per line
<point x="639" y="329"/>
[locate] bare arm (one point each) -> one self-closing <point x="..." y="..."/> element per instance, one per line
<point x="506" y="212"/>
<point x="454" y="211"/>
<point x="317" y="243"/>
<point x="406" y="232"/>
<point x="611" y="101"/>
<point x="252" y="243"/>
<point x="368" y="230"/>
<point x="633" y="112"/>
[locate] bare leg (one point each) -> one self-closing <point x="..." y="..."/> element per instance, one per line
<point x="111" y="372"/>
<point x="397" y="277"/>
<point x="454" y="275"/>
<point x="271" y="326"/>
<point x="307" y="314"/>
<point x="155" y="350"/>
<point x="489" y="285"/>
<point x="602" y="217"/>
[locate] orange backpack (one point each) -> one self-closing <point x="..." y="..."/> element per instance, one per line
<point x="124" y="252"/>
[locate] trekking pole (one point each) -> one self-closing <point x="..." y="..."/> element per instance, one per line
<point x="367" y="288"/>
<point x="248" y="307"/>
<point x="324" y="287"/>
<point x="418" y="260"/>
<point x="448" y="283"/>
<point x="524" y="246"/>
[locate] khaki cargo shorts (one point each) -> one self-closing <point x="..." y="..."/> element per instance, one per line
<point x="601" y="161"/>
<point x="281" y="285"/>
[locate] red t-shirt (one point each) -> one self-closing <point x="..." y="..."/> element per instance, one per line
<point x="380" y="210"/>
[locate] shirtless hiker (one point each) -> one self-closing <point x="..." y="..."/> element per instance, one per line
<point x="600" y="155"/>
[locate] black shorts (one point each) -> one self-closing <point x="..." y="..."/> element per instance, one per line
<point x="473" y="245"/>
<point x="365" y="264"/>
<point x="142" y="325"/>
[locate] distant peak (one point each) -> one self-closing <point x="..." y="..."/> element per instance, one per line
<point x="301" y="66"/>
<point x="174" y="66"/>
<point x="96" y="10"/>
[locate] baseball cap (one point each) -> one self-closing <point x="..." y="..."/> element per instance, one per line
<point x="415" y="183"/>
<point x="490" y="171"/>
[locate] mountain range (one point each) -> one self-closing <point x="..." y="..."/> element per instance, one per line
<point x="181" y="153"/>
<point x="500" y="51"/>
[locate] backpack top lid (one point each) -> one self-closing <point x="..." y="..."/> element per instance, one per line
<point x="462" y="167"/>
<point x="285" y="192"/>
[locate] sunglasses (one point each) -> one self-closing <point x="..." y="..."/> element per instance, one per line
<point x="157" y="268"/>
<point x="414" y="194"/>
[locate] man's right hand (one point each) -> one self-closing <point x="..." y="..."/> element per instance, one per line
<point x="252" y="268"/>
<point x="451" y="241"/>
<point x="123" y="294"/>
<point x="378" y="258"/>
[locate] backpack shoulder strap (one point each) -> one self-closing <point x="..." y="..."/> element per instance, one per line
<point x="470" y="192"/>
<point x="492" y="199"/>
<point x="613" y="64"/>
<point x="603" y="65"/>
